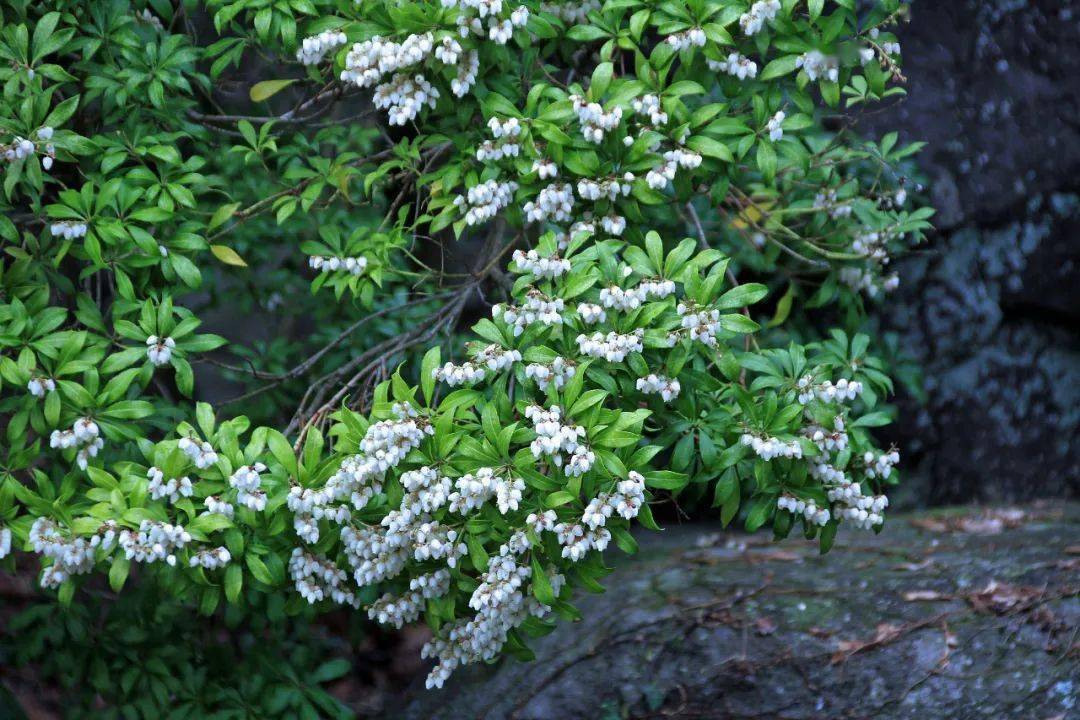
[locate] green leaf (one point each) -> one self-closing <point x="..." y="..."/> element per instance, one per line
<point x="234" y="579"/>
<point x="710" y="147"/>
<point x="282" y="451"/>
<point x="779" y="67"/>
<point x="428" y="365"/>
<point x="586" y="33"/>
<point x="118" y="572"/>
<point x="766" y="160"/>
<point x="759" y="513"/>
<point x="540" y="584"/>
<point x="741" y="296"/>
<point x="601" y="79"/>
<point x="874" y="419"/>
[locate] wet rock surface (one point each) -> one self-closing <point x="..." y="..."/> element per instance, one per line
<point x="942" y="616"/>
<point x="991" y="306"/>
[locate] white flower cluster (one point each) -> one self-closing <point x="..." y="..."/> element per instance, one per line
<point x="541" y="267"/>
<point x="38" y="386"/>
<point x="888" y="47"/>
<point x="493" y="359"/>
<point x="309" y="506"/>
<point x="404" y="97"/>
<point x="502" y="601"/>
<point x="555" y="202"/>
<point x="159" y="350"/>
<point x="247" y="483"/>
<point x="216" y="506"/>
<point x="738" y="65"/>
<point x="652" y="384"/>
<point x="466" y="76"/>
<point x="775" y="126"/>
<point x="659" y="177"/>
<point x="5" y="542"/>
<point x="553" y="438"/>
<point x="313" y="49"/>
<point x="474" y="489"/>
<point x="558" y="371"/>
<point x="317" y="578"/>
<point x="85" y="435"/>
<point x="21" y="147"/>
<point x="68" y="230"/>
<point x="818" y="65"/>
<point x="826" y="391"/>
<point x="70" y="556"/>
<point x="211" y="559"/>
<point x="863" y="511"/>
<point x="538" y="308"/>
<point x="499" y="30"/>
<point x="614" y="297"/>
<point x="872" y="244"/>
<point x="613" y="224"/>
<point x="649" y="106"/>
<point x="861" y="279"/>
<point x="154" y="541"/>
<point x="768" y="448"/>
<point x="700" y="325"/>
<point x="591" y="313"/>
<point x="448" y="51"/>
<point x="605" y="189"/>
<point x="506" y="135"/>
<point x="880" y="465"/>
<point x="171" y="490"/>
<point x="485" y="200"/>
<point x="694" y="37"/>
<point x="571" y="13"/>
<point x="578" y="539"/>
<point x="807" y="508"/>
<point x="594" y="120"/>
<point x="613" y="346"/>
<point x="826" y="200"/>
<point x="760" y="13"/>
<point x="200" y="452"/>
<point x="352" y="265"/>
<point x="398" y="610"/>
<point x="829" y="440"/>
<point x="545" y="169"/>
<point x="370" y="61"/>
<point x="388" y="442"/>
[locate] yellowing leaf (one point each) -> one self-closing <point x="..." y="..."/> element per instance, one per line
<point x="227" y="255"/>
<point x="268" y="88"/>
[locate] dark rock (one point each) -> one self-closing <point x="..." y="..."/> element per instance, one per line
<point x="993" y="90"/>
<point x="918" y="622"/>
<point x="991" y="306"/>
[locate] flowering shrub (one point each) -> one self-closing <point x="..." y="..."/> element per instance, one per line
<point x="633" y="182"/>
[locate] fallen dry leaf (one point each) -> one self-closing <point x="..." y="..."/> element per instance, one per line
<point x="764" y="626"/>
<point x="1000" y="598"/>
<point x="987" y="522"/>
<point x="924" y="595"/>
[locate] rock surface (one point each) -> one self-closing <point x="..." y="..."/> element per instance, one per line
<point x="942" y="616"/>
<point x="991" y="306"/>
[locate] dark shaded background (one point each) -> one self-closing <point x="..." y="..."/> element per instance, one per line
<point x="991" y="305"/>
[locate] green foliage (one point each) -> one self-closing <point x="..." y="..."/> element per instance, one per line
<point x="145" y="201"/>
